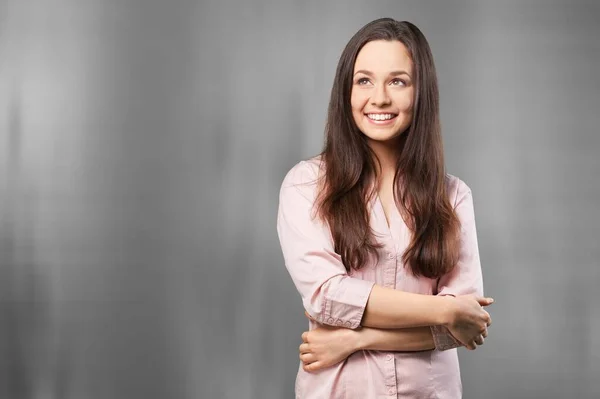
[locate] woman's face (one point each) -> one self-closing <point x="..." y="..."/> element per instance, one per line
<point x="382" y="90"/>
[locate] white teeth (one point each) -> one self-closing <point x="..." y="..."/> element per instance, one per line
<point x="380" y="117"/>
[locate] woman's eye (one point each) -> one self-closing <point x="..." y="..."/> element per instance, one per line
<point x="362" y="81"/>
<point x="398" y="82"/>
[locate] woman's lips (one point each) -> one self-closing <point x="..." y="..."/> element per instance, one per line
<point x="383" y="119"/>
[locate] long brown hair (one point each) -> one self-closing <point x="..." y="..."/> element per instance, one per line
<point x="420" y="179"/>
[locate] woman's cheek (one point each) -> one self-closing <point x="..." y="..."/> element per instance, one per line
<point x="357" y="103"/>
<point x="405" y="103"/>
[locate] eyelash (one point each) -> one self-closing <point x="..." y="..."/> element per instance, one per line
<point x="359" y="81"/>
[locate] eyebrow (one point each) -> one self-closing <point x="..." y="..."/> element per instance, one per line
<point x="394" y="73"/>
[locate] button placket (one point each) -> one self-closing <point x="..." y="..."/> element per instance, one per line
<point x="390" y="371"/>
<point x="389" y="273"/>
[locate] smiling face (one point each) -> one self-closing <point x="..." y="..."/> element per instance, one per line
<point x="382" y="90"/>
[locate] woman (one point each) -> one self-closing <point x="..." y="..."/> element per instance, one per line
<point x="379" y="241"/>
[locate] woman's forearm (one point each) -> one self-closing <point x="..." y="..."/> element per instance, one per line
<point x="393" y="309"/>
<point x="404" y="340"/>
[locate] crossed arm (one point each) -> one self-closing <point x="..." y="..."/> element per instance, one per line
<point x="325" y="346"/>
<point x="375" y="317"/>
<point x="391" y="340"/>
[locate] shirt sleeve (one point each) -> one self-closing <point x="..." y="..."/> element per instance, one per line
<point x="466" y="277"/>
<point x="329" y="294"/>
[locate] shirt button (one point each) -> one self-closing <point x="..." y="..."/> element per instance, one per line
<point x="339" y="322"/>
<point x="348" y="324"/>
<point x="391" y="390"/>
<point x="390" y="255"/>
<point x="330" y="320"/>
<point x="389" y="357"/>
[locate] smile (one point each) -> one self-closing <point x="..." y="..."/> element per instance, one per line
<point x="381" y="119"/>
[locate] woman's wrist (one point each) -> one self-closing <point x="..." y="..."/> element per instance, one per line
<point x="358" y="338"/>
<point x="445" y="314"/>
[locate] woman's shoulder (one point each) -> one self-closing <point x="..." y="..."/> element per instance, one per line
<point x="304" y="176"/>
<point x="456" y="188"/>
<point x="305" y="172"/>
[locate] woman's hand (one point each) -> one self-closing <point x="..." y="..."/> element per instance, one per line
<point x="468" y="320"/>
<point x="326" y="346"/>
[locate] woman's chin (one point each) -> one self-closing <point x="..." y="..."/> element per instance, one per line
<point x="382" y="136"/>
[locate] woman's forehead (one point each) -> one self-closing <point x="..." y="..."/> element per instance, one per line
<point x="382" y="57"/>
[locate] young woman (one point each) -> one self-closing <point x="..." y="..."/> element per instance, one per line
<point x="379" y="241"/>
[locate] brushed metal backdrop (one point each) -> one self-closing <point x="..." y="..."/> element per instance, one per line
<point x="143" y="144"/>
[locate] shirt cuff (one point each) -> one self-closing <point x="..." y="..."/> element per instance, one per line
<point x="345" y="305"/>
<point x="443" y="339"/>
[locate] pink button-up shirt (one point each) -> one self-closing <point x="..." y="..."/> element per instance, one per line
<point x="335" y="297"/>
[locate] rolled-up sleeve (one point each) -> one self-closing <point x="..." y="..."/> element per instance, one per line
<point x="466" y="277"/>
<point x="329" y="294"/>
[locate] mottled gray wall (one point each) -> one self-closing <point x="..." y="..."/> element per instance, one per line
<point x="143" y="144"/>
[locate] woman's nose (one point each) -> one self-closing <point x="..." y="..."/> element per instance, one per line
<point x="380" y="96"/>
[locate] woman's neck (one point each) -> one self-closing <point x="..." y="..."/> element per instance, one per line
<point x="387" y="154"/>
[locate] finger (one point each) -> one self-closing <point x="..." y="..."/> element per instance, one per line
<point x="308" y="358"/>
<point x="471" y="346"/>
<point x="484" y="334"/>
<point x="483" y="301"/>
<point x="487" y="318"/>
<point x="304" y="348"/>
<point x="311" y="367"/>
<point x="305" y="336"/>
<point x="479" y="340"/>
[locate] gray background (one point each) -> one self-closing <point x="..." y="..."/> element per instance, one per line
<point x="143" y="144"/>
